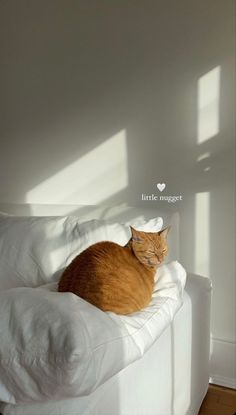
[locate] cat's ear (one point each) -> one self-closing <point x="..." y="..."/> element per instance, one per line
<point x="164" y="232"/>
<point x="136" y="235"/>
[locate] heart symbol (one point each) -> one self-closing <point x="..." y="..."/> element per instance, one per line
<point x="161" y="186"/>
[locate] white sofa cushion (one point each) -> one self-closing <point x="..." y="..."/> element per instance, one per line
<point x="35" y="250"/>
<point x="56" y="345"/>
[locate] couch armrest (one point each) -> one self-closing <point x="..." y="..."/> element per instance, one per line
<point x="198" y="293"/>
<point x="197" y="282"/>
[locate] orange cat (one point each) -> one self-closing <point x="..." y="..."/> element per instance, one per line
<point x="116" y="278"/>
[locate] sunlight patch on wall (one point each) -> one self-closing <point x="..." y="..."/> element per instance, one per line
<point x="204" y="156"/>
<point x="91" y="179"/>
<point x="202" y="234"/>
<point x="208" y="105"/>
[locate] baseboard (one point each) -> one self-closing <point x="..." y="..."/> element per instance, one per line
<point x="221" y="381"/>
<point x="223" y="363"/>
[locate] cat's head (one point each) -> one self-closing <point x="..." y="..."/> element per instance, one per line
<point x="150" y="248"/>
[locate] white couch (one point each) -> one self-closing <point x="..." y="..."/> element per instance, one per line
<point x="172" y="376"/>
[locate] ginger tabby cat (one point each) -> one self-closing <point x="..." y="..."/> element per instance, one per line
<point x="116" y="278"/>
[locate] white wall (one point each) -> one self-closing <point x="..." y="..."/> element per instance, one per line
<point x="101" y="100"/>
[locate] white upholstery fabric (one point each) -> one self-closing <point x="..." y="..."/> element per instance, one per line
<point x="35" y="250"/>
<point x="114" y="214"/>
<point x="170" y="379"/>
<point x="172" y="376"/>
<point x="56" y="345"/>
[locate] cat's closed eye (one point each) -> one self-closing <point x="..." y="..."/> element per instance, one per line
<point x="150" y="252"/>
<point x="148" y="256"/>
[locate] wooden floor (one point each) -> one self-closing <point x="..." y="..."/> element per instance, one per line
<point x="219" y="401"/>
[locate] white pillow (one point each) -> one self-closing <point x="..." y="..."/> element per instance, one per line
<point x="35" y="250"/>
<point x="56" y="345"/>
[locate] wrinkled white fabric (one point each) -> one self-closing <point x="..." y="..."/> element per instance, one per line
<point x="35" y="250"/>
<point x="56" y="345"/>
